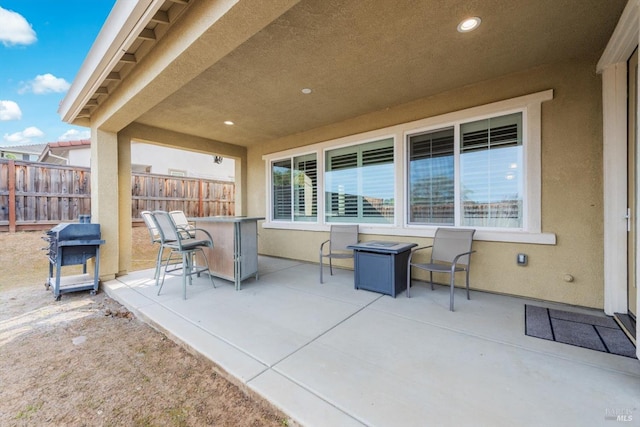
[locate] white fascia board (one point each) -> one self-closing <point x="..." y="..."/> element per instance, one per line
<point x="624" y="39"/>
<point x="120" y="30"/>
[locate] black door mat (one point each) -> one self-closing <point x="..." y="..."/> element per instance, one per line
<point x="582" y="330"/>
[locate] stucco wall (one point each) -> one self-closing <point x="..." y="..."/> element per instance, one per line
<point x="162" y="160"/>
<point x="571" y="185"/>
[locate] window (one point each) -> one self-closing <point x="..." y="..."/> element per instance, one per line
<point x="431" y="178"/>
<point x="490" y="178"/>
<point x="491" y="172"/>
<point x="281" y="179"/>
<point x="480" y="168"/>
<point x="295" y="189"/>
<point x="305" y="188"/>
<point x="359" y="183"/>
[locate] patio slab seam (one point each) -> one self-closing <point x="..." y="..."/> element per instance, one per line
<point x="320" y="396"/>
<point x="357" y="307"/>
<point x="307" y="402"/>
<point x="409" y="383"/>
<point x="317" y="337"/>
<point x="375" y="296"/>
<point x="274" y="367"/>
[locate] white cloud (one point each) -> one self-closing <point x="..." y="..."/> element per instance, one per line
<point x="9" y="110"/>
<point x="24" y="137"/>
<point x="74" y="135"/>
<point x="46" y="83"/>
<point x="14" y="29"/>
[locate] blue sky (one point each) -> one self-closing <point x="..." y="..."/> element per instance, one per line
<point x="42" y="46"/>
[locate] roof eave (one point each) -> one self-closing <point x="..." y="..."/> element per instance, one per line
<point x="120" y="30"/>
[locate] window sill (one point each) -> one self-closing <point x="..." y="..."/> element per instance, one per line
<point x="480" y="235"/>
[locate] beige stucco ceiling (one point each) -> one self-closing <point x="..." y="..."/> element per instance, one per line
<point x="360" y="56"/>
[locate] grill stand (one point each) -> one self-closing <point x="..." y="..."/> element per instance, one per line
<point x="74" y="252"/>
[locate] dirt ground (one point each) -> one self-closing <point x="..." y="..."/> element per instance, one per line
<point x="87" y="361"/>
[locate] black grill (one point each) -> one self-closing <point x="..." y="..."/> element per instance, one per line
<point x="73" y="244"/>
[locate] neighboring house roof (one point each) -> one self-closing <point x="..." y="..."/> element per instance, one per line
<point x="58" y="152"/>
<point x="159" y="160"/>
<point x="69" y="144"/>
<point x="29" y="150"/>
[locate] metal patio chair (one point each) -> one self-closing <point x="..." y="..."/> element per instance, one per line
<point x="182" y="248"/>
<point x="450" y="252"/>
<point x="340" y="237"/>
<point x="154" y="233"/>
<point x="181" y="221"/>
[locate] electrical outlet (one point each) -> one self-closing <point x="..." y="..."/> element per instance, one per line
<point x="522" y="259"/>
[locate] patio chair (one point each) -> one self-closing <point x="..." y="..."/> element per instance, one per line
<point x="340" y="237"/>
<point x="155" y="238"/>
<point x="450" y="252"/>
<point x="182" y="248"/>
<point x="181" y="221"/>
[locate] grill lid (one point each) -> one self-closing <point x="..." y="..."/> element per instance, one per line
<point x="75" y="231"/>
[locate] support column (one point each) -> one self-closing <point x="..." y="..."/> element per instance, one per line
<point x="240" y="181"/>
<point x="124" y="204"/>
<point x="104" y="198"/>
<point x="614" y="100"/>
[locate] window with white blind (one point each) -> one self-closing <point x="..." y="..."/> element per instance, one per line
<point x="359" y="183"/>
<point x="491" y="161"/>
<point x="490" y="178"/>
<point x="295" y="188"/>
<point x="476" y="168"/>
<point x="431" y="177"/>
<point x="281" y="187"/>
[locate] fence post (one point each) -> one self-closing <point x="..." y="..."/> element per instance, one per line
<point x="12" y="196"/>
<point x="200" y="203"/>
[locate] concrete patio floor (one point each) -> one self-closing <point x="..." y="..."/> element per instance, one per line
<point x="330" y="355"/>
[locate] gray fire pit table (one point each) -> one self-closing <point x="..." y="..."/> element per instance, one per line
<point x="381" y="266"/>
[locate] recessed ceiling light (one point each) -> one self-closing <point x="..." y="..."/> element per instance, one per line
<point x="228" y="123"/>
<point x="469" y="24"/>
<point x="306" y="91"/>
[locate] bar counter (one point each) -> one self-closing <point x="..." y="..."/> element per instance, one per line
<point x="234" y="255"/>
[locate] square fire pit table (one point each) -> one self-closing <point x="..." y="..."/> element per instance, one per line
<point x="381" y="266"/>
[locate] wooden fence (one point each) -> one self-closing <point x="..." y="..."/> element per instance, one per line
<point x="196" y="197"/>
<point x="36" y="196"/>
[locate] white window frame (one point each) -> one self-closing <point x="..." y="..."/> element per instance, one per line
<point x="531" y="108"/>
<point x="457" y="145"/>
<point x="291" y="158"/>
<point x="395" y="178"/>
